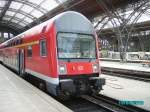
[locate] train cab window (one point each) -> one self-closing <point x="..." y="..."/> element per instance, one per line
<point x="43" y="51"/>
<point x="29" y="51"/>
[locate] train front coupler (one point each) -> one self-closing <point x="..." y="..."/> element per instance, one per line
<point x="75" y="86"/>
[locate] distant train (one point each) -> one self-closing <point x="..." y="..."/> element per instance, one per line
<point x="62" y="52"/>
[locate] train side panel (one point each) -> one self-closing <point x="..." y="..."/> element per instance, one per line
<point x="43" y="67"/>
<point x="10" y="57"/>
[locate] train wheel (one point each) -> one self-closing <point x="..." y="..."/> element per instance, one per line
<point x="42" y="86"/>
<point x="22" y="74"/>
<point x="63" y="95"/>
<point x="90" y="92"/>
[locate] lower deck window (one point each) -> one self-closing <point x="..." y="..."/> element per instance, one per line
<point x="29" y="51"/>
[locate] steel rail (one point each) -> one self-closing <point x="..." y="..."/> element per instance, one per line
<point x="126" y="75"/>
<point x="110" y="104"/>
<point x="98" y="102"/>
<point x="130" y="108"/>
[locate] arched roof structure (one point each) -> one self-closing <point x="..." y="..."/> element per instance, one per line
<point x="21" y="15"/>
<point x="18" y="14"/>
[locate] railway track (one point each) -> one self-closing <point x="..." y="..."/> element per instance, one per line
<point x="82" y="105"/>
<point x="141" y="77"/>
<point x="119" y="74"/>
<point x="111" y="105"/>
<point x="98" y="103"/>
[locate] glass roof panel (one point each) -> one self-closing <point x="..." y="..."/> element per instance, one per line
<point x="6" y="18"/>
<point x="22" y="24"/>
<point x="36" y="13"/>
<point x="18" y="15"/>
<point x="2" y="4"/>
<point x="29" y="20"/>
<point x="27" y="8"/>
<point x="35" y="9"/>
<point x="10" y="13"/>
<point x="15" y="5"/>
<point x="62" y="1"/>
<point x="133" y="20"/>
<point x="15" y="25"/>
<point x="144" y="18"/>
<point x="49" y="4"/>
<point x="36" y="1"/>
<point x="14" y="21"/>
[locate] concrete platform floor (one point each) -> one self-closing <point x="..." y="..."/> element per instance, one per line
<point x="17" y="95"/>
<point x="127" y="89"/>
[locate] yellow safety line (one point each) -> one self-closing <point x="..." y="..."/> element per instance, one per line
<point x="27" y="44"/>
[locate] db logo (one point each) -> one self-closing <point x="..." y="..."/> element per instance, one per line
<point x="80" y="67"/>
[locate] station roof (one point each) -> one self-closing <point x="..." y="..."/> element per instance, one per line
<point x="18" y="14"/>
<point x="137" y="27"/>
<point x="24" y="14"/>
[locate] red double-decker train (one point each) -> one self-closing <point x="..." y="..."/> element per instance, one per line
<point x="62" y="52"/>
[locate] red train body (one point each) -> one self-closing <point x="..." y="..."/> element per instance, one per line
<point x="62" y="51"/>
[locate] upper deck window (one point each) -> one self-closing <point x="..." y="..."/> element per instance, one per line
<point x="43" y="51"/>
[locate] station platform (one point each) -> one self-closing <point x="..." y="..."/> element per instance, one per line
<point x="123" y="89"/>
<point x="131" y="68"/>
<point x="17" y="95"/>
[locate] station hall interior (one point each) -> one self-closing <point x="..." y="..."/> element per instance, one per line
<point x="122" y="29"/>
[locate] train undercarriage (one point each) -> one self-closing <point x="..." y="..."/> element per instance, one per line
<point x="69" y="87"/>
<point x="79" y="86"/>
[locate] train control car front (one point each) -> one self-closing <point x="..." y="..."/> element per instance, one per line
<point x="77" y="55"/>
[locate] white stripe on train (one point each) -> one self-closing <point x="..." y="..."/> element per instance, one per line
<point x="43" y="77"/>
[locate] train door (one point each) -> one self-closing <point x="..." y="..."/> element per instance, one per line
<point x="21" y="62"/>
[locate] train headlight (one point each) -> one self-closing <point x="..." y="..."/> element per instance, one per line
<point x="62" y="69"/>
<point x="95" y="68"/>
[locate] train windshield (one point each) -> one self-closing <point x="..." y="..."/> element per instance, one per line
<point x="71" y="45"/>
